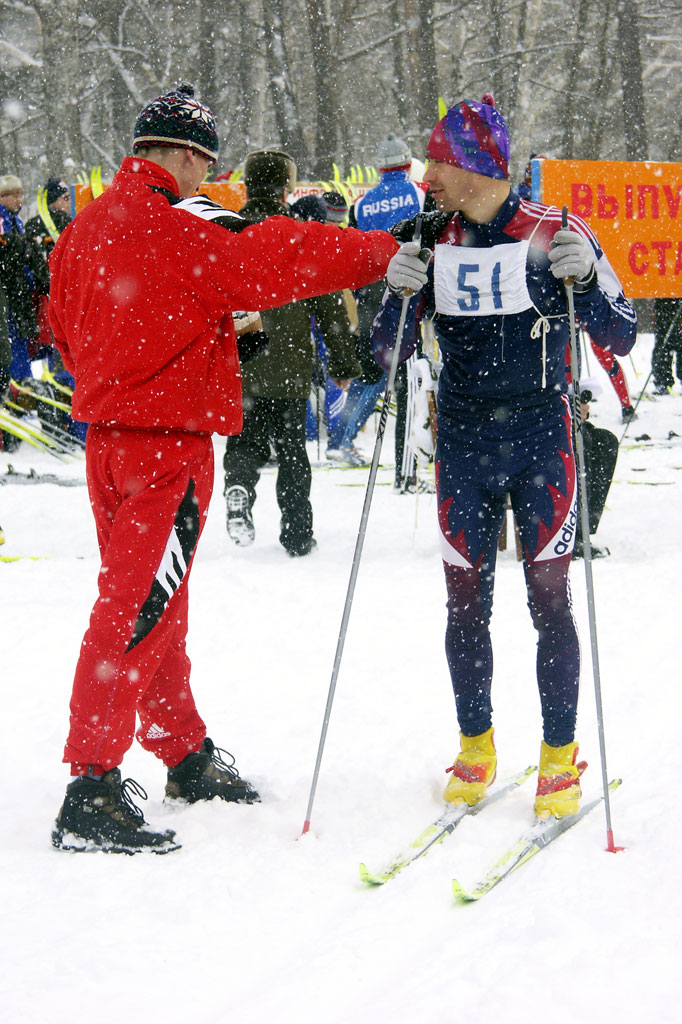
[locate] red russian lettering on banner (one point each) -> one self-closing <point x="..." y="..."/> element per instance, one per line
<point x="634" y="208"/>
<point x="673" y="201"/>
<point x="660" y="248"/>
<point x="678" y="259"/>
<point x="637" y="249"/>
<point x="607" y="206"/>
<point x="581" y="200"/>
<point x="642" y="192"/>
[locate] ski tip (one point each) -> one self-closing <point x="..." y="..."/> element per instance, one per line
<point x="368" y="878"/>
<point x="460" y="894"/>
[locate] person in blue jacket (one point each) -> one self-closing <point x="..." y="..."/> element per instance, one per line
<point x="395" y="197"/>
<point x="524" y="187"/>
<point x="496" y="291"/>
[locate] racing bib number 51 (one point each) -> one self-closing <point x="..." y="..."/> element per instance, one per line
<point x="481" y="282"/>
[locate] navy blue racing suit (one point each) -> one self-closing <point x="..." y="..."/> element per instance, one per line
<point x="505" y="428"/>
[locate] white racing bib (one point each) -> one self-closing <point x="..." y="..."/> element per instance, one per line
<point x="481" y="282"/>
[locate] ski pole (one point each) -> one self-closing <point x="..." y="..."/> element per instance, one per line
<point x="587" y="547"/>
<point x="673" y="322"/>
<point x="583" y="336"/>
<point x="390" y="384"/>
<point x="319" y="372"/>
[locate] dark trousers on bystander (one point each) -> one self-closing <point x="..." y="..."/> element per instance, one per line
<point x="279" y="421"/>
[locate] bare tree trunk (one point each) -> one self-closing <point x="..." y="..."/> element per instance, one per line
<point x="517" y="64"/>
<point x="326" y="100"/>
<point x="209" y="77"/>
<point x="281" y="87"/>
<point x="116" y="114"/>
<point x="412" y="64"/>
<point x="61" y="76"/>
<point x="398" y="56"/>
<point x="497" y="46"/>
<point x="427" y="77"/>
<point x="575" y="74"/>
<point x="634" y="111"/>
<point x="421" y="54"/>
<point x="241" y="115"/>
<point x="589" y="139"/>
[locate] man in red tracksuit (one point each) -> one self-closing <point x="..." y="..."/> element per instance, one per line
<point x="141" y="305"/>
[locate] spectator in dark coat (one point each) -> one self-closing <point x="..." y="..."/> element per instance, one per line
<point x="58" y="201"/>
<point x="276" y="384"/>
<point x="23" y="272"/>
<point x="668" y="344"/>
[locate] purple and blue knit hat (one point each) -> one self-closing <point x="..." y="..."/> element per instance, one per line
<point x="177" y="119"/>
<point x="472" y="136"/>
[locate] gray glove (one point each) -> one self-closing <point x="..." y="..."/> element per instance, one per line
<point x="571" y="255"/>
<point x="406" y="271"/>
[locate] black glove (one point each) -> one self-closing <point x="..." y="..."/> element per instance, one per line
<point x="251" y="345"/>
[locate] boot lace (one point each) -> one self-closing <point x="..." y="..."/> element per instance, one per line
<point x="129" y="789"/>
<point x="218" y="756"/>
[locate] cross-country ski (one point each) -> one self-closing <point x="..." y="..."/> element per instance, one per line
<point x="443" y="826"/>
<point x="527" y="846"/>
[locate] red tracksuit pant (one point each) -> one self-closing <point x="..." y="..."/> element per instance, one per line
<point x="149" y="492"/>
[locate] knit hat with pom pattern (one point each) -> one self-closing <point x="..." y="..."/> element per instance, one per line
<point x="177" y="119"/>
<point x="472" y="136"/>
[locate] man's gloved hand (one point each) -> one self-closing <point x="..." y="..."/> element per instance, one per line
<point x="406" y="271"/>
<point x="571" y="255"/>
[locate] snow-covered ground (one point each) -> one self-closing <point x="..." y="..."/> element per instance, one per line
<point x="251" y="923"/>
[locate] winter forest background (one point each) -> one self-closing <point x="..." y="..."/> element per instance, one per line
<point x="326" y="79"/>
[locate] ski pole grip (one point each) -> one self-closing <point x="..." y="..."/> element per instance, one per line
<point x="424" y="254"/>
<point x="568" y="281"/>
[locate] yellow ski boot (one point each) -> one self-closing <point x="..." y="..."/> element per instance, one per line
<point x="473" y="771"/>
<point x="558" y="793"/>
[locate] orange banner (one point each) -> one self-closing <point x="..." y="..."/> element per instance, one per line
<point x="231" y="195"/>
<point x="634" y="209"/>
<point x="310" y="188"/>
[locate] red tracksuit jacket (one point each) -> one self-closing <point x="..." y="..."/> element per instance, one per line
<point x="153" y="347"/>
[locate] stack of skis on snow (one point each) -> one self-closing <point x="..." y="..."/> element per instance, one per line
<point x="39" y="413"/>
<point x="529" y="843"/>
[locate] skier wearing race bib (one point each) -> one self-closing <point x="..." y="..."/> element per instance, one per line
<point x="495" y="289"/>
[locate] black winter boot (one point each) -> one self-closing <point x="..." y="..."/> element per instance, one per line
<point x="205" y="775"/>
<point x="240" y="528"/>
<point x="99" y="814"/>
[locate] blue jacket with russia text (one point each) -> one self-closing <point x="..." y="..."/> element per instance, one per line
<point x="395" y="198"/>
